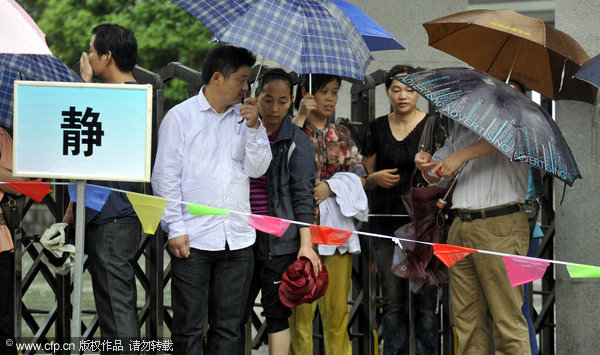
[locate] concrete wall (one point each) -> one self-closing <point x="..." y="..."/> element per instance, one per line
<point x="577" y="219"/>
<point x="403" y="19"/>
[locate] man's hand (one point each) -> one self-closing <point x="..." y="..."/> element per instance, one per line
<point x="322" y="191"/>
<point x="69" y="217"/>
<point x="449" y="166"/>
<point x="85" y="69"/>
<point x="386" y="178"/>
<point x="423" y="161"/>
<point x="180" y="246"/>
<point x="249" y="111"/>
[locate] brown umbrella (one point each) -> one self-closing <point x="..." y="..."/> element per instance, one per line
<point x="504" y="43"/>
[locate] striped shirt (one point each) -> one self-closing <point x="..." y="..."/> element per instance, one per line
<point x="207" y="158"/>
<point x="258" y="188"/>
<point x="485" y="182"/>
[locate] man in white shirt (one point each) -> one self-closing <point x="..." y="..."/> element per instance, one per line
<point x="208" y="148"/>
<point x="487" y="199"/>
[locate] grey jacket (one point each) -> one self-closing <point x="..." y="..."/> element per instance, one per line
<point x="290" y="186"/>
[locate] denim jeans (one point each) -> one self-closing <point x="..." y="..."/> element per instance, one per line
<point x="219" y="281"/>
<point x="395" y="319"/>
<point x="111" y="248"/>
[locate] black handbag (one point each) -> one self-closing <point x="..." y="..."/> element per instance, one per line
<point x="12" y="210"/>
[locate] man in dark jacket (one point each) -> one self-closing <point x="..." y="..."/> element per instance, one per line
<point x="285" y="191"/>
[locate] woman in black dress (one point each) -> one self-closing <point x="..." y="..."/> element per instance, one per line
<point x="388" y="155"/>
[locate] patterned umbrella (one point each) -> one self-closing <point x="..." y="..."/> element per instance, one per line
<point x="307" y="36"/>
<point x="27" y="67"/>
<point x="515" y="125"/>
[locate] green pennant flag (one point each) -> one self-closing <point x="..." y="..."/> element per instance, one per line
<point x="583" y="271"/>
<point x="195" y="209"/>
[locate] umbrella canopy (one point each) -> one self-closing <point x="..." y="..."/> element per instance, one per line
<point x="19" y="32"/>
<point x="307" y="36"/>
<point x="375" y="36"/>
<point x="509" y="120"/>
<point x="590" y="71"/>
<point x="504" y="43"/>
<point x="27" y="67"/>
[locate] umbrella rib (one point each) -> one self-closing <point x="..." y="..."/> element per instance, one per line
<point x="498" y="52"/>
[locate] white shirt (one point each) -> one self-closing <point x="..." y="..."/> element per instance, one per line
<point x="207" y="158"/>
<point x="337" y="211"/>
<point x="485" y="182"/>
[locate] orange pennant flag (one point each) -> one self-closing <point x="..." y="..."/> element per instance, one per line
<point x="34" y="189"/>
<point x="149" y="210"/>
<point x="329" y="235"/>
<point x="450" y="254"/>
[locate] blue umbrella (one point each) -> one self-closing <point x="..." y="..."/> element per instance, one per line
<point x="375" y="36"/>
<point x="27" y="67"/>
<point x="590" y="71"/>
<point x="515" y="125"/>
<point x="307" y="36"/>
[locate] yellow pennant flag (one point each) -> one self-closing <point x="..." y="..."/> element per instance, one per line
<point x="149" y="210"/>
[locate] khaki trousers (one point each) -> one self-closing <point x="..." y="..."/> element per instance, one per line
<point x="333" y="307"/>
<point x="480" y="288"/>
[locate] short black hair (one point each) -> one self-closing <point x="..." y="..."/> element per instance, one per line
<point x="272" y="75"/>
<point x="120" y="41"/>
<point x="397" y="69"/>
<point x="318" y="82"/>
<point x="226" y="60"/>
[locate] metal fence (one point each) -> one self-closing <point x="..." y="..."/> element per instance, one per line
<point x="154" y="315"/>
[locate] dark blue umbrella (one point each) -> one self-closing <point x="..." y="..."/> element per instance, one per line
<point x="27" y="67"/>
<point x="515" y="125"/>
<point x="307" y="36"/>
<point x="590" y="71"/>
<point x="375" y="36"/>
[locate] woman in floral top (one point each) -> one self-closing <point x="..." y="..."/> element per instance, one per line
<point x="335" y="152"/>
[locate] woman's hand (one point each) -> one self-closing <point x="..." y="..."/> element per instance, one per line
<point x="322" y="191"/>
<point x="307" y="105"/>
<point x="385" y="178"/>
<point x="311" y="254"/>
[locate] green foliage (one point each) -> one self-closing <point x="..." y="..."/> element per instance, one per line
<point x="165" y="32"/>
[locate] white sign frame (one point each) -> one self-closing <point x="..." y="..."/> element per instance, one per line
<point x="44" y="162"/>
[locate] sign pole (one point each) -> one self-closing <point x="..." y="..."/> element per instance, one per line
<point x="78" y="267"/>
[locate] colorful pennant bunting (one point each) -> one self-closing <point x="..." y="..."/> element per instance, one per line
<point x="450" y="254"/>
<point x="583" y="271"/>
<point x="522" y="269"/>
<point x="268" y="224"/>
<point x="149" y="210"/>
<point x="329" y="235"/>
<point x="95" y="196"/>
<point x="34" y="189"/>
<point x="196" y="209"/>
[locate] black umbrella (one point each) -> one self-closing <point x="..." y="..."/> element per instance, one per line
<point x="590" y="71"/>
<point x="509" y="120"/>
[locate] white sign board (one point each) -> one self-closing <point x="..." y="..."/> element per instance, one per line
<point x="82" y="131"/>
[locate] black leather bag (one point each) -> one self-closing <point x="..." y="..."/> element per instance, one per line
<point x="12" y="210"/>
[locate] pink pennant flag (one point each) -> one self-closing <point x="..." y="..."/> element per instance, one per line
<point x="328" y="235"/>
<point x="450" y="254"/>
<point x="267" y="224"/>
<point x="34" y="189"/>
<point x="522" y="269"/>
